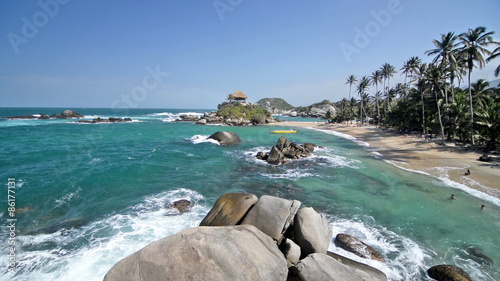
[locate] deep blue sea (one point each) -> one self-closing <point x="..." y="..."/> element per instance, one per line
<point x="88" y="195"/>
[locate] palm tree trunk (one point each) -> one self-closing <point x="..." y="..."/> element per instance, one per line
<point x="471" y="110"/>
<point x="439" y="116"/>
<point x="378" y="107"/>
<point x="423" y="114"/>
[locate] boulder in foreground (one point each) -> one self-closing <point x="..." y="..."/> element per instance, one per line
<point x="229" y="209"/>
<point x="205" y="253"/>
<point x="321" y="267"/>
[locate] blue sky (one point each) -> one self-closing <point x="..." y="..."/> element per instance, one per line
<point x="192" y="54"/>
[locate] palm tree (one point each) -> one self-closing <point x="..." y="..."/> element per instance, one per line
<point x="388" y="72"/>
<point x="376" y="78"/>
<point x="495" y="54"/>
<point x="362" y="86"/>
<point x="445" y="50"/>
<point x="410" y="67"/>
<point x="435" y="76"/>
<point x="351" y="79"/>
<point x="421" y="72"/>
<point x="474" y="42"/>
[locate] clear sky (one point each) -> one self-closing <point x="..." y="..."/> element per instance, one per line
<point x="192" y="54"/>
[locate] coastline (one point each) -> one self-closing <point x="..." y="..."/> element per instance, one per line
<point x="411" y="152"/>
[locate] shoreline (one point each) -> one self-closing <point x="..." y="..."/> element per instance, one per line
<point x="411" y="152"/>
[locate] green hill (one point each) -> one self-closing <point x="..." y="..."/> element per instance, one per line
<point x="275" y="105"/>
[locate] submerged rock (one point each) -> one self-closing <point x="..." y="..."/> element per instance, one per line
<point x="65" y="224"/>
<point x="358" y="247"/>
<point x="477" y="254"/>
<point x="446" y="272"/>
<point x="205" y="253"/>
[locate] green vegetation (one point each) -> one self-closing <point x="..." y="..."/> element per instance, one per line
<point x="318" y="104"/>
<point x="236" y="110"/>
<point x="274" y="104"/>
<point x="431" y="99"/>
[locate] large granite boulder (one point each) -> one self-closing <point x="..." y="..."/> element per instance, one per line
<point x="321" y="267"/>
<point x="359" y="266"/>
<point x="312" y="232"/>
<point x="272" y="215"/>
<point x="446" y="272"/>
<point x="205" y="253"/>
<point x="358" y="247"/>
<point x="229" y="209"/>
<point x="226" y="138"/>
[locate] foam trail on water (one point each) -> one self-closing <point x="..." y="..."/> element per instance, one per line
<point x="197" y="139"/>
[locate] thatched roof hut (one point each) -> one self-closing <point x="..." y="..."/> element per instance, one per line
<point x="239" y="95"/>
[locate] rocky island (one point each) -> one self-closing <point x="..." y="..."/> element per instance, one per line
<point x="234" y="112"/>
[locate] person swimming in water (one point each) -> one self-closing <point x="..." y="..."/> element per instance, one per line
<point x="483" y="207"/>
<point x="453" y="197"/>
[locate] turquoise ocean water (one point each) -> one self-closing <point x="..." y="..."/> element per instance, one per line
<point x="88" y="195"/>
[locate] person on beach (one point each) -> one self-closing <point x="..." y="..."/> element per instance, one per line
<point x="467" y="172"/>
<point x="453" y="197"/>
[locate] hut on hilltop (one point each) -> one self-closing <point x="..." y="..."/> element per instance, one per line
<point x="239" y="96"/>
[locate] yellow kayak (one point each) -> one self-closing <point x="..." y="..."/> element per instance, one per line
<point x="283" y="131"/>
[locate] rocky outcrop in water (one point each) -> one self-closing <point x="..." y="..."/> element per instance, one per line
<point x="106" y="120"/>
<point x="285" y="150"/>
<point x="66" y="114"/>
<point x="181" y="206"/>
<point x="358" y="247"/>
<point x="446" y="272"/>
<point x="245" y="238"/>
<point x="226" y="138"/>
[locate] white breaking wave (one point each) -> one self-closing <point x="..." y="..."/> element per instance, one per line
<point x="104" y="242"/>
<point x="407" y="258"/>
<point x="197" y="139"/>
<point x="345" y="136"/>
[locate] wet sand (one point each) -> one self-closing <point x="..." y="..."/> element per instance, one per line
<point x="413" y="152"/>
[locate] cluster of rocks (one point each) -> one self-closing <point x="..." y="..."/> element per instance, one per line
<point x="284" y="150"/>
<point x="213" y="118"/>
<point x="66" y="114"/>
<point x="246" y="238"/>
<point x="106" y="120"/>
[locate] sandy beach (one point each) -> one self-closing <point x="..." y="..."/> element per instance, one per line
<point x="415" y="153"/>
